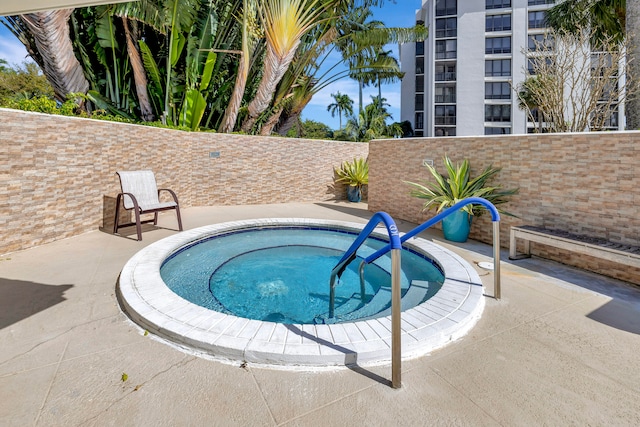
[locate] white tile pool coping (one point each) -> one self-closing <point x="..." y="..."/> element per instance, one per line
<point x="445" y="317"/>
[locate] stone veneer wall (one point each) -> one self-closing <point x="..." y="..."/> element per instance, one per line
<point x="586" y="183"/>
<point x="57" y="174"/>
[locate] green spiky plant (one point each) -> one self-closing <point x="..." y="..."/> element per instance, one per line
<point x="448" y="190"/>
<point x="354" y="174"/>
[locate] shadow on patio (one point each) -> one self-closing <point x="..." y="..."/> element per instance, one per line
<point x="20" y="299"/>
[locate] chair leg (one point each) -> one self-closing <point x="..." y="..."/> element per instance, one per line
<point x="138" y="225"/>
<point x="155" y="218"/>
<point x="117" y="218"/>
<point x="179" y="218"/>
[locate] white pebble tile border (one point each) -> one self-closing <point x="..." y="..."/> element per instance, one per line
<point x="147" y="300"/>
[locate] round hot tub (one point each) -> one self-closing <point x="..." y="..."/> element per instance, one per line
<point x="257" y="291"/>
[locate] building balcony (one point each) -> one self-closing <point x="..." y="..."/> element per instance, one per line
<point x="449" y="120"/>
<point x="445" y="99"/>
<point x="445" y="77"/>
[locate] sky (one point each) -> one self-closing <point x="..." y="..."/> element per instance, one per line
<point x="398" y="14"/>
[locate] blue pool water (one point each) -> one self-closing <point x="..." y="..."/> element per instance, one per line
<point x="282" y="275"/>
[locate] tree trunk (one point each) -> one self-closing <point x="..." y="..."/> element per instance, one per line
<point x="632" y="106"/>
<point x="360" y="86"/>
<point x="231" y="113"/>
<point x="267" y="128"/>
<point x="50" y="30"/>
<point x="293" y="117"/>
<point x="139" y="74"/>
<point x="274" y="69"/>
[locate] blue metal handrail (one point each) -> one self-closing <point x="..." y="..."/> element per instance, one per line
<point x="395" y="247"/>
<point x="495" y="217"/>
<point x="350" y="254"/>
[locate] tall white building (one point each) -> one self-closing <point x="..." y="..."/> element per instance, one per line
<point x="459" y="81"/>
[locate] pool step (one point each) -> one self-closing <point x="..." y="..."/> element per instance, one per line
<point x="378" y="303"/>
<point x="416" y="293"/>
<point x="378" y="306"/>
<point x="351" y="304"/>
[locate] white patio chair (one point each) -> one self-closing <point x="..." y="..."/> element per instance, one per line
<point x="141" y="194"/>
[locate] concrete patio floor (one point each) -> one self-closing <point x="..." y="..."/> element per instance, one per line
<point x="560" y="348"/>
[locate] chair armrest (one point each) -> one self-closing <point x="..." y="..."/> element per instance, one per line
<point x="175" y="198"/>
<point x="133" y="198"/>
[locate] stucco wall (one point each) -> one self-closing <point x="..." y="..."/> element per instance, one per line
<point x="57" y="174"/>
<point x="587" y="183"/>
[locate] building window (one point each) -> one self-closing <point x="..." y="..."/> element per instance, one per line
<point x="497" y="4"/>
<point x="445" y="114"/>
<point x="537" y="19"/>
<point x="419" y="102"/>
<point x="444" y="131"/>
<point x="446" y="49"/>
<point x="497" y="68"/>
<point x="446" y="27"/>
<point x="497" y="45"/>
<point x="419" y="133"/>
<point x="497" y="90"/>
<point x="420" y="65"/>
<point x="612" y="121"/>
<point x="419" y="48"/>
<point x="446" y="7"/>
<point x="538" y="130"/>
<point x="539" y="42"/>
<point x="445" y="72"/>
<point x="538" y="2"/>
<point x="445" y="94"/>
<point x="534" y="63"/>
<point x="498" y="22"/>
<point x="497" y="113"/>
<point x="497" y="131"/>
<point x="419" y="84"/>
<point x="419" y="120"/>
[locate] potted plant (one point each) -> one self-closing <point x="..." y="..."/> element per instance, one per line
<point x="356" y="175"/>
<point x="448" y="190"/>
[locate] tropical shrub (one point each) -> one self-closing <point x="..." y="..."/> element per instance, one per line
<point x="457" y="185"/>
<point x="354" y="174"/>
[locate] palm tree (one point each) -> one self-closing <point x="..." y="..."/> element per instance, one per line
<point x="386" y="69"/>
<point x="284" y="22"/>
<point x="610" y="18"/>
<point x="342" y="104"/>
<point x="131" y="13"/>
<point x="250" y="35"/>
<point x="347" y="33"/>
<point x="46" y="37"/>
<point x="370" y="123"/>
<point x="363" y="52"/>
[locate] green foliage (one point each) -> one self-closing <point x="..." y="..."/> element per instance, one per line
<point x="370" y="123"/>
<point x="22" y="82"/>
<point x="354" y="174"/>
<point x="605" y="18"/>
<point x="407" y="129"/>
<point x="45" y="105"/>
<point x="457" y="185"/>
<point x="311" y="129"/>
<point x="188" y="53"/>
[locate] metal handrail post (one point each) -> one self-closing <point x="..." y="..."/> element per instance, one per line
<point x="496" y="259"/>
<point x="396" y="324"/>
